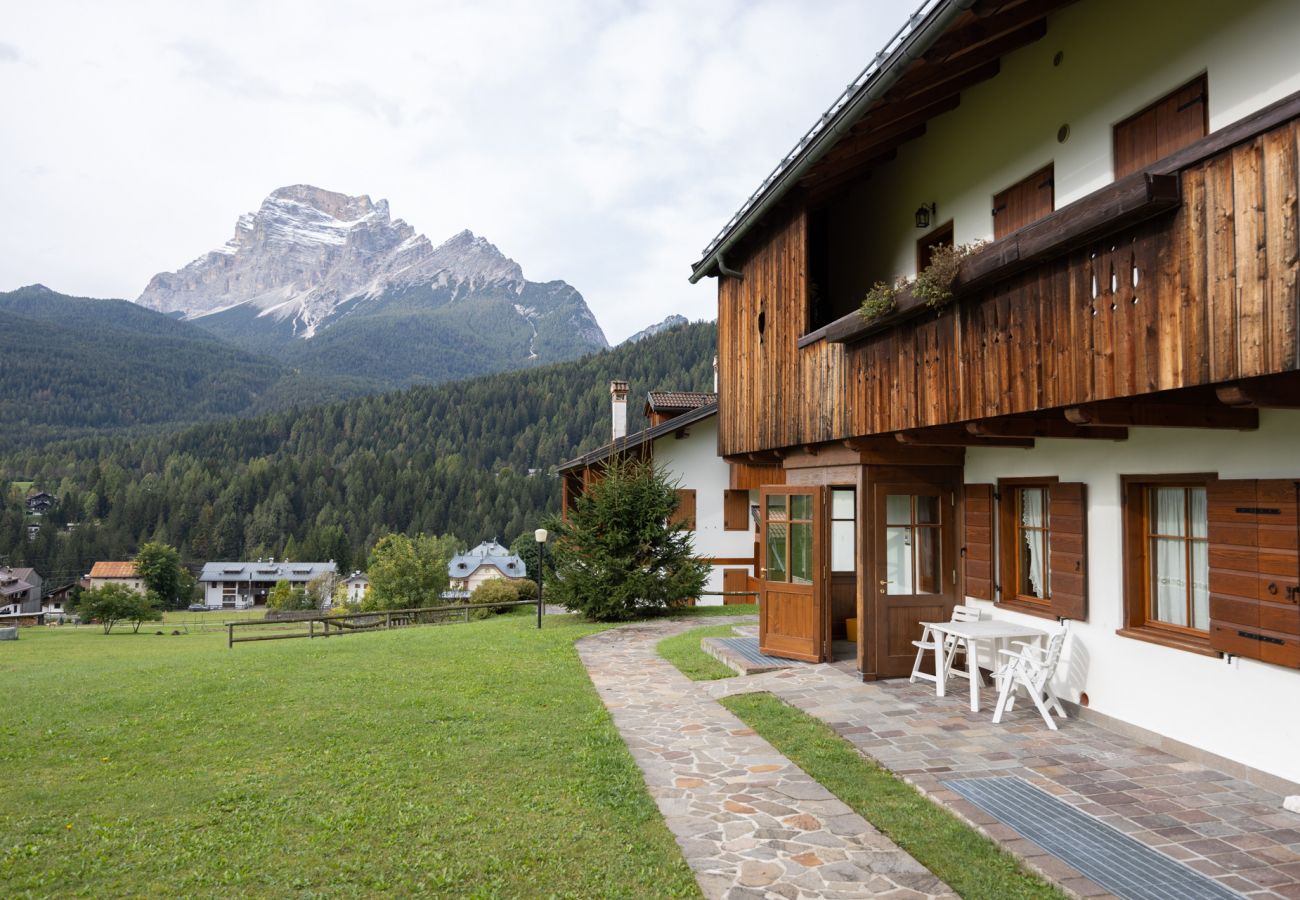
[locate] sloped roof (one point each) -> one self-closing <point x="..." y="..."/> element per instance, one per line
<point x="942" y="48"/>
<point x="265" y="571"/>
<point x="113" y="570"/>
<point x="642" y="437"/>
<point x="678" y="401"/>
<point x="488" y="553"/>
<point x="16" y="586"/>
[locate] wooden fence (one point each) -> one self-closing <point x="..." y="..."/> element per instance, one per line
<point x="324" y="625"/>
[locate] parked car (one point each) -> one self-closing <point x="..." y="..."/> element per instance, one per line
<point x="197" y="607"/>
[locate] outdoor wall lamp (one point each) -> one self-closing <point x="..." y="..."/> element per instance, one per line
<point x="540" y="536"/>
<point x="924" y="214"/>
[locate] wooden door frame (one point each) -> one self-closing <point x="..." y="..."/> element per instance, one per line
<point x="900" y="479"/>
<point x="819" y="589"/>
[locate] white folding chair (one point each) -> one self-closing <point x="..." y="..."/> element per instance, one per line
<point x="948" y="645"/>
<point x="952" y="641"/>
<point x="1031" y="668"/>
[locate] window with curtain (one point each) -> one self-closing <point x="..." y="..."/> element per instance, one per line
<point x="1167" y="560"/>
<point x="1177" y="547"/>
<point x="1026" y="526"/>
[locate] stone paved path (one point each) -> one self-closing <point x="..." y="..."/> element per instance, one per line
<point x="1229" y="829"/>
<point x="750" y="823"/>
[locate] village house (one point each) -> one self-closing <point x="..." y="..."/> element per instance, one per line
<point x="358" y="585"/>
<point x="20" y="591"/>
<point x="488" y="560"/>
<point x="124" y="573"/>
<point x="57" y="603"/>
<point x="1097" y="421"/>
<point x="715" y="499"/>
<point x="39" y="502"/>
<point x="244" y="585"/>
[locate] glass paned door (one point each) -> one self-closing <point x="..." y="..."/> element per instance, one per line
<point x="913" y="566"/>
<point x="792" y="608"/>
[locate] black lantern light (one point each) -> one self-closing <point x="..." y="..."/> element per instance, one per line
<point x="924" y="215"/>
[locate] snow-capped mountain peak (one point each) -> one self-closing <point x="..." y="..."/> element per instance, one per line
<point x="307" y="256"/>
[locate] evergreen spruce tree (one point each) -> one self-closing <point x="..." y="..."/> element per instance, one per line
<point x="618" y="557"/>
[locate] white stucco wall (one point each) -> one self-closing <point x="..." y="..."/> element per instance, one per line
<point x="1242" y="709"/>
<point x="694" y="462"/>
<point x="1118" y="57"/>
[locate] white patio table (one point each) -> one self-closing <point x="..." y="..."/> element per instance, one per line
<point x="994" y="632"/>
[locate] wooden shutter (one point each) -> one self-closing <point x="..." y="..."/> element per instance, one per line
<point x="977" y="541"/>
<point x="735" y="580"/>
<point x="1068" y="554"/>
<point x="1255" y="569"/>
<point x="1024" y="202"/>
<point x="735" y="510"/>
<point x="1164" y="127"/>
<point x="685" y="511"/>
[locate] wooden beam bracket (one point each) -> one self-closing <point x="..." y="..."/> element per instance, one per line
<point x="1149" y="414"/>
<point x="944" y="436"/>
<point x="1045" y="428"/>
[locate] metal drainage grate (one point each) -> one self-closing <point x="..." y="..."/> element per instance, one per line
<point x="747" y="649"/>
<point x="1124" y="866"/>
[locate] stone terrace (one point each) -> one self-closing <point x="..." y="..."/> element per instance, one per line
<point x="1224" y="827"/>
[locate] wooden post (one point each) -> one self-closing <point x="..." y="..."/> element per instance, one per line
<point x="230" y="635"/>
<point x="311" y="628"/>
<point x="388" y="620"/>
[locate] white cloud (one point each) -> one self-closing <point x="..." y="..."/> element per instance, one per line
<point x="603" y="143"/>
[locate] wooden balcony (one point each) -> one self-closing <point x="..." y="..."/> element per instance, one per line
<point x="1179" y="277"/>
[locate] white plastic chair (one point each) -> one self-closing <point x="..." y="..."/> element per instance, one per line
<point x="1031" y="668"/>
<point x="930" y="641"/>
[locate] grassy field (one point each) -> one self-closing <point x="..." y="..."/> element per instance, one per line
<point x="468" y="760"/>
<point x="214" y="617"/>
<point x="970" y="863"/>
<point x="683" y="651"/>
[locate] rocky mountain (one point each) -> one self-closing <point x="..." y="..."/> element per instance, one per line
<point x="673" y="321"/>
<point x="333" y="284"/>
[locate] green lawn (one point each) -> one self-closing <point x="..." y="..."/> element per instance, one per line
<point x="213" y="617"/>
<point x="683" y="651"/>
<point x="969" y="862"/>
<point x="468" y="760"/>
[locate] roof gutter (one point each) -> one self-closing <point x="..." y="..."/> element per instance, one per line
<point x="876" y="86"/>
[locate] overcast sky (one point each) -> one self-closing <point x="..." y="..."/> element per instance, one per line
<point x="600" y="143"/>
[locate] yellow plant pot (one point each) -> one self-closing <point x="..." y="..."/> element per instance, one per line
<point x="851" y="627"/>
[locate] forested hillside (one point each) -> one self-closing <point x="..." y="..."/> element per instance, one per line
<point x="73" y="364"/>
<point x="327" y="481"/>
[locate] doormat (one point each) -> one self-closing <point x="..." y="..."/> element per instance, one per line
<point x="1122" y="865"/>
<point x="744" y="650"/>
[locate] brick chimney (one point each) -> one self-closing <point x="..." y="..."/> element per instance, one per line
<point x="618" y="404"/>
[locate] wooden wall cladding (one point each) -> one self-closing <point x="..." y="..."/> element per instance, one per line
<point x="1203" y="295"/>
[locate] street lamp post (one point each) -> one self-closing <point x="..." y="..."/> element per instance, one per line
<point x="540" y="535"/>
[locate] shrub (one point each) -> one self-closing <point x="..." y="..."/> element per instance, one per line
<point x="526" y="590"/>
<point x="934" y="282"/>
<point x="881" y="300"/>
<point x="496" y="590"/>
